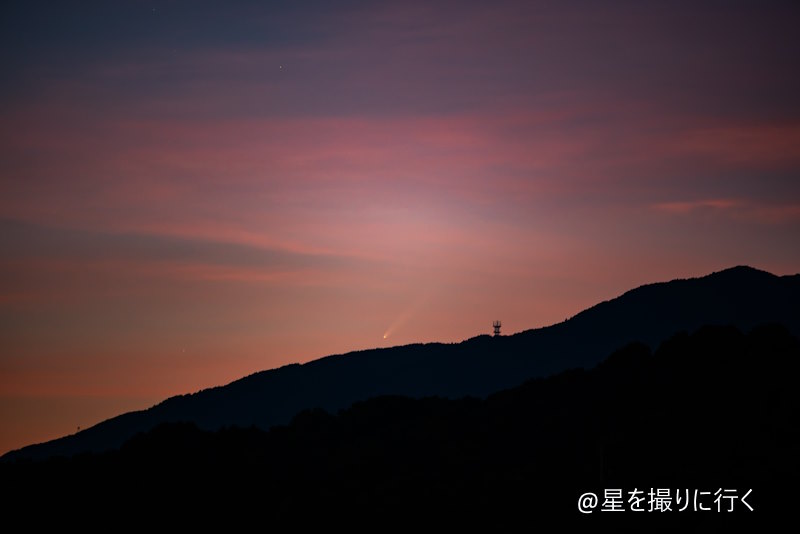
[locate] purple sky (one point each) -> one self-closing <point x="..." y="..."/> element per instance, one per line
<point x="194" y="191"/>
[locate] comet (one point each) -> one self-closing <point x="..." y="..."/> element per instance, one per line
<point x="405" y="316"/>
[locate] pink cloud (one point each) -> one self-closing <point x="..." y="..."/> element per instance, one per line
<point x="683" y="207"/>
<point x="759" y="146"/>
<point x="741" y="209"/>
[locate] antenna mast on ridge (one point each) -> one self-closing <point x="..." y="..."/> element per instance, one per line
<point x="497" y="325"/>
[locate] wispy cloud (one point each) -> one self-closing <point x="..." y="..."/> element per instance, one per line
<point x="735" y="208"/>
<point x="688" y="206"/>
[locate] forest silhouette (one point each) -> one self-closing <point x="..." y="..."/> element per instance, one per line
<point x="716" y="408"/>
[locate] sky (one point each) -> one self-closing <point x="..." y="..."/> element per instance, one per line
<point x="193" y="191"/>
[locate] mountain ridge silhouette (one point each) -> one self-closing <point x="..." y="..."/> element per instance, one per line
<point x="741" y="296"/>
<point x="708" y="410"/>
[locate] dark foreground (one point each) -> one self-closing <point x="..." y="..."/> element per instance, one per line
<point x="717" y="409"/>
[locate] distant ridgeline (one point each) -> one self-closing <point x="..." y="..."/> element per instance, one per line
<point x="742" y="297"/>
<point x="715" y="409"/>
